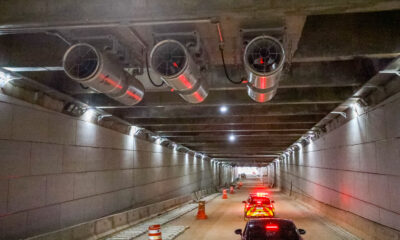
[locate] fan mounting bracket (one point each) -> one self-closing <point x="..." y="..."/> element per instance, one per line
<point x="247" y="34"/>
<point x="190" y="39"/>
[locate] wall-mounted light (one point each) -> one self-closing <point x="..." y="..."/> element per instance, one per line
<point x="343" y="114"/>
<point x="358" y="105"/>
<point x="90" y="115"/>
<point x="306" y="139"/>
<point x="353" y="105"/>
<point x="134" y="130"/>
<point x="159" y="140"/>
<point x="391" y="71"/>
<point x="6" y="78"/>
<point x="175" y="146"/>
<point x="101" y="116"/>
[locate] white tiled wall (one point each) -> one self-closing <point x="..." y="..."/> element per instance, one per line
<point x="57" y="171"/>
<point x="356" y="167"/>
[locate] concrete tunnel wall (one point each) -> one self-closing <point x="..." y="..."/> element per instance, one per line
<point x="355" y="168"/>
<point x="57" y="171"/>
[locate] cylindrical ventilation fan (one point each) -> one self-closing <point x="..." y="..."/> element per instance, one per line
<point x="85" y="64"/>
<point x="171" y="60"/>
<point x="264" y="57"/>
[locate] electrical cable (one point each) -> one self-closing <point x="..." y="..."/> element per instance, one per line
<point x="226" y="71"/>
<point x="148" y="74"/>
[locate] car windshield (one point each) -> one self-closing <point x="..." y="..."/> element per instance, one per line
<point x="263" y="230"/>
<point x="259" y="201"/>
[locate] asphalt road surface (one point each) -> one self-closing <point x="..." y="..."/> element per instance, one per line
<point x="226" y="215"/>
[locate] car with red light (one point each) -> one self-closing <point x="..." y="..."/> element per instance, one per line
<point x="258" y="206"/>
<point x="259" y="194"/>
<point x="270" y="229"/>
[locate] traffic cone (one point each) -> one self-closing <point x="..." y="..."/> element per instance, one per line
<point x="155" y="232"/>
<point x="201" y="213"/>
<point x="231" y="191"/>
<point x="224" y="194"/>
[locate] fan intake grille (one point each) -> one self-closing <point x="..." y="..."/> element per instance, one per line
<point x="169" y="58"/>
<point x="264" y="55"/>
<point x="81" y="62"/>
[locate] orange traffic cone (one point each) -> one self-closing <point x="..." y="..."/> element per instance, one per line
<point x="231" y="191"/>
<point x="155" y="232"/>
<point x="224" y="194"/>
<point x="201" y="213"/>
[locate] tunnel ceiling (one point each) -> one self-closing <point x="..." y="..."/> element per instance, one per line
<point x="332" y="49"/>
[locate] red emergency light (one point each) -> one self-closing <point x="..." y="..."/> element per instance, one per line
<point x="261" y="194"/>
<point x="272" y="227"/>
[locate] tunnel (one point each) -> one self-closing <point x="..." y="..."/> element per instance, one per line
<point x="199" y="119"/>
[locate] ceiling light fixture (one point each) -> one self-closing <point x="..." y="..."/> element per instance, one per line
<point x="223" y="109"/>
<point x="232" y="138"/>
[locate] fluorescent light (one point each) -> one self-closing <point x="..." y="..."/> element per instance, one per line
<point x="33" y="69"/>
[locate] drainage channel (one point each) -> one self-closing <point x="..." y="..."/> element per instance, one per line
<point x="169" y="232"/>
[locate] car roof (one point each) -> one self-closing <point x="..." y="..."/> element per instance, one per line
<point x="254" y="196"/>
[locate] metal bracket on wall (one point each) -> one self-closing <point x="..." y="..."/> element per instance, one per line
<point x="391" y="71"/>
<point x="109" y="42"/>
<point x="343" y="114"/>
<point x="190" y="39"/>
